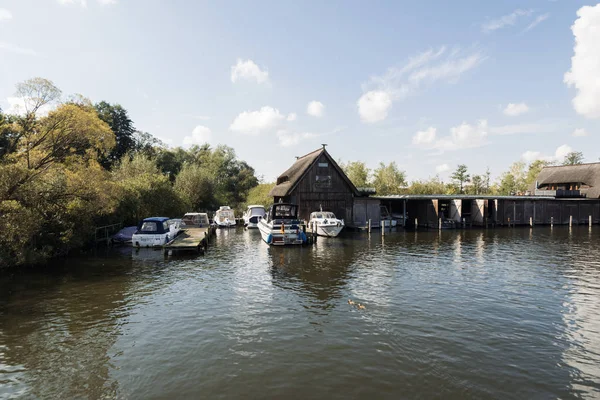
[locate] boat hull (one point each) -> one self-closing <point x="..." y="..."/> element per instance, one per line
<point x="150" y="240"/>
<point x="273" y="236"/>
<point x="329" y="230"/>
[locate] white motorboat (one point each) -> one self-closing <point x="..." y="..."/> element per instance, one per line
<point x="325" y="223"/>
<point x="253" y="214"/>
<point x="195" y="220"/>
<point x="155" y="232"/>
<point x="281" y="226"/>
<point x="224" y="217"/>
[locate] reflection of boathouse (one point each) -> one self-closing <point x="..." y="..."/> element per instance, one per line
<point x="315" y="180"/>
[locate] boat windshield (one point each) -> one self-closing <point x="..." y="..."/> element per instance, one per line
<point x="257" y="211"/>
<point x="284" y="211"/>
<point x="148" y="227"/>
<point x="329" y="215"/>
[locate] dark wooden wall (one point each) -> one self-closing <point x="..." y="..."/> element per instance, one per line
<point x="330" y="191"/>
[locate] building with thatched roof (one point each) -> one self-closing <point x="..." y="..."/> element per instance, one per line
<point x="316" y="181"/>
<point x="581" y="180"/>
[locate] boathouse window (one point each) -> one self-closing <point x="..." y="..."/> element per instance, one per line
<point x="323" y="165"/>
<point x="323" y="181"/>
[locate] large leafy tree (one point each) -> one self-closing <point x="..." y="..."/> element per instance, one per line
<point x="51" y="186"/>
<point x="357" y="172"/>
<point x="117" y="118"/>
<point x="388" y="179"/>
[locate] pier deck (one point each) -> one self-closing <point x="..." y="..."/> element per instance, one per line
<point x="191" y="238"/>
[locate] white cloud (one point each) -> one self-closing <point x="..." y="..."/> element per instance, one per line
<point x="82" y="3"/>
<point x="442" y="168"/>
<point x="584" y="74"/>
<point x="248" y="70"/>
<point x="315" y="109"/>
<point x="515" y="109"/>
<point x="505" y="20"/>
<point x="560" y="153"/>
<point x="463" y="136"/>
<point x="425" y="137"/>
<point x="374" y="106"/>
<point x="291" y="117"/>
<point x="539" y="19"/>
<point x="515" y="129"/>
<point x="422" y="70"/>
<point x="200" y="135"/>
<point x="13" y="48"/>
<point x="256" y="122"/>
<point x="287" y="139"/>
<point x="107" y="2"/>
<point x="580" y="132"/>
<point x="5" y="15"/>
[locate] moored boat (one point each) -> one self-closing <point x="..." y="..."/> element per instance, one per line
<point x="325" y="223"/>
<point x="281" y="226"/>
<point x="225" y="217"/>
<point x="195" y="220"/>
<point x="253" y="214"/>
<point x="155" y="232"/>
<point x="386" y="218"/>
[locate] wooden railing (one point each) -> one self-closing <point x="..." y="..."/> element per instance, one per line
<point x="104" y="233"/>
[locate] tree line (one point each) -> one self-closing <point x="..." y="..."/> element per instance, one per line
<point x="388" y="179"/>
<point x="69" y="166"/>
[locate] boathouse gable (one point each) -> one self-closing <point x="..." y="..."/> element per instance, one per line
<point x="315" y="180"/>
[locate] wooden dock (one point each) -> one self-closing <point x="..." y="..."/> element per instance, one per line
<point x="191" y="239"/>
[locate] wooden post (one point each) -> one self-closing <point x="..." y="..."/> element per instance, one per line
<point x="440" y="224"/>
<point x="590" y="221"/>
<point x="514" y="212"/>
<point x="383" y="227"/>
<point x="464" y="223"/>
<point x="404" y="214"/>
<point x="570" y="221"/>
<point x="531" y="222"/>
<point x="551" y="222"/>
<point x="509" y="222"/>
<point x="416" y="223"/>
<point x="369" y="226"/>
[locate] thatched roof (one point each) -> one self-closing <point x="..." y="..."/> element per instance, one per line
<point x="287" y="181"/>
<point x="587" y="174"/>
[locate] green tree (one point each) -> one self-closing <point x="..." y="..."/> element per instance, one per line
<point x="460" y="176"/>
<point x="357" y="172"/>
<point x="260" y="195"/>
<point x="117" y="118"/>
<point x="477" y="184"/>
<point x="534" y="170"/>
<point x="573" y="158"/>
<point x="196" y="187"/>
<point x="143" y="191"/>
<point x="388" y="179"/>
<point x="431" y="186"/>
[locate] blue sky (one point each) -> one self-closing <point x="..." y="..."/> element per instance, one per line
<point x="426" y="84"/>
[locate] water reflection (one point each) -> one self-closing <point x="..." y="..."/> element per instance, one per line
<point x="504" y="313"/>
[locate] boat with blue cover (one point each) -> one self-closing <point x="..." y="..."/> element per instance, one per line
<point x="155" y="232"/>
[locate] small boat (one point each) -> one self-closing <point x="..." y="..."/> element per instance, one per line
<point x="124" y="235"/>
<point x="224" y="217"/>
<point x="155" y="232"/>
<point x="281" y="226"/>
<point x="195" y="220"/>
<point x="326" y="223"/>
<point x="252" y="215"/>
<point x="386" y="218"/>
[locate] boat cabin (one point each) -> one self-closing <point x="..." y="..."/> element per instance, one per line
<point x="282" y="212"/>
<point x="322" y="215"/>
<point x="153" y="226"/>
<point x="196" y="220"/>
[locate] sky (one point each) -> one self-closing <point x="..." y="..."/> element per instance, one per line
<point x="428" y="85"/>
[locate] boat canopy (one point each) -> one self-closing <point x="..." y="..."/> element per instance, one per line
<point x="322" y="215"/>
<point x="200" y="219"/>
<point x="153" y="226"/>
<point x="283" y="211"/>
<point x="256" y="210"/>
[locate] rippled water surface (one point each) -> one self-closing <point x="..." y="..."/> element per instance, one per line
<point x="507" y="313"/>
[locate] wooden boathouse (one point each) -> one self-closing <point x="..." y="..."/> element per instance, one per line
<point x="316" y="181"/>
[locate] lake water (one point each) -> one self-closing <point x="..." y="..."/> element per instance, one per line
<point x="505" y="313"/>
